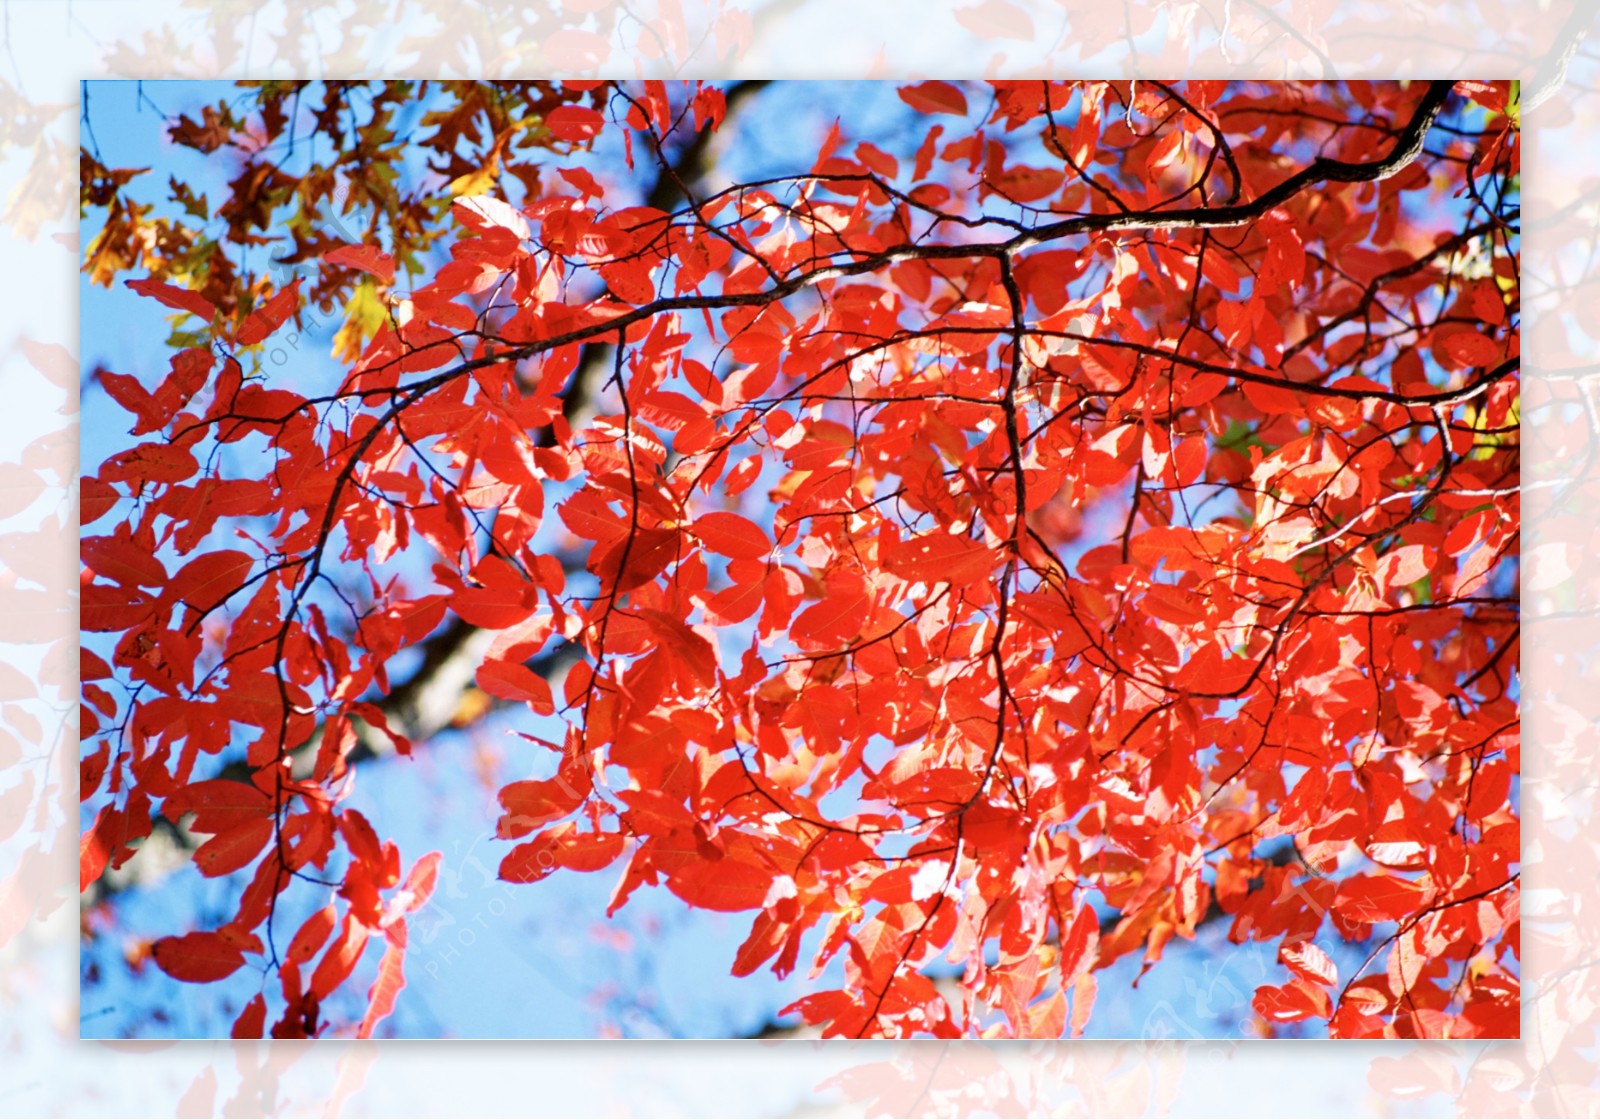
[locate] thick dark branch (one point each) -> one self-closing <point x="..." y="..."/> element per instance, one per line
<point x="1407" y="147"/>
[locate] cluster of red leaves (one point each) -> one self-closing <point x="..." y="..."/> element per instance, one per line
<point x="838" y="655"/>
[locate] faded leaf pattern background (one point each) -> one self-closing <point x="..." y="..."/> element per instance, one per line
<point x="1550" y="46"/>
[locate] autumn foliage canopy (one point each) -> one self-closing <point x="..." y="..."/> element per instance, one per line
<point x="1091" y="515"/>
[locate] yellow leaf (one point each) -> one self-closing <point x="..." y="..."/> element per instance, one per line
<point x="363" y="315"/>
<point x="472" y="183"/>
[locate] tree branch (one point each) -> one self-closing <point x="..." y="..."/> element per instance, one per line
<point x="426" y="702"/>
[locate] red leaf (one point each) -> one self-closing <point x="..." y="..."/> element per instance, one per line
<point x="582" y="180"/>
<point x="272" y="315"/>
<point x="227" y="852"/>
<point x="726" y="884"/>
<point x="1304" y="805"/>
<point x="586" y="851"/>
<point x="1377" y="898"/>
<point x="1027" y="184"/>
<point x="131" y="395"/>
<point x="219" y="804"/>
<point x="95" y="498"/>
<point x="574" y="123"/>
<point x="252" y="1021"/>
<point x="1492" y="95"/>
<point x="340" y="959"/>
<point x="935" y="97"/>
<point x="528" y="863"/>
<point x="734" y="604"/>
<point x="313" y="935"/>
<point x="511" y="681"/>
<point x="381" y="996"/>
<point x="209" y="578"/>
<point x="109" y="839"/>
<point x="1307" y="961"/>
<point x="197" y="958"/>
<point x="669" y="410"/>
<point x="1403" y="567"/>
<point x="181" y="298"/>
<point x="1189" y="459"/>
<point x="361" y="838"/>
<point x="367" y="258"/>
<point x="1471" y="349"/>
<point x="941" y="558"/>
<point x="1271" y="399"/>
<point x="102" y="607"/>
<point x="1289" y="1004"/>
<point x="1211" y="673"/>
<point x="506" y="598"/>
<point x="728" y="534"/>
<point x="149" y="462"/>
<point x="839" y="616"/>
<point x="529" y="804"/>
<point x="190" y="370"/>
<point x="122" y="561"/>
<point x="1079" y="945"/>
<point x="94" y="852"/>
<point x="483" y="213"/>
<point x="421" y="881"/>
